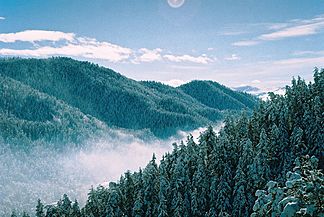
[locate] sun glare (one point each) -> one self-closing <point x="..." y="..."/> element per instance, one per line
<point x="176" y="3"/>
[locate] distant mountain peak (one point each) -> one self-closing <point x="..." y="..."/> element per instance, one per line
<point x="246" y="88"/>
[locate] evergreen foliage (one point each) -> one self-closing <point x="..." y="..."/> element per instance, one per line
<point x="222" y="174"/>
<point x="302" y="194"/>
<point x="67" y="99"/>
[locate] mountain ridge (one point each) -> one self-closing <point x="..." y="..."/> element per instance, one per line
<point x="118" y="101"/>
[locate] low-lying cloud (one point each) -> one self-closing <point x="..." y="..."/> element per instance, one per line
<point x="47" y="174"/>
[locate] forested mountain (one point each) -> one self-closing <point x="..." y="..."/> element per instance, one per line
<point x="247" y="89"/>
<point x="215" y="95"/>
<point x="221" y="174"/>
<point x="26" y="113"/>
<point x="39" y="92"/>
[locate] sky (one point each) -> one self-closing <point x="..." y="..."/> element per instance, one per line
<point x="262" y="43"/>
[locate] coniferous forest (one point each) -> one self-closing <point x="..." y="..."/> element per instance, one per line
<point x="267" y="163"/>
<point x="64" y="100"/>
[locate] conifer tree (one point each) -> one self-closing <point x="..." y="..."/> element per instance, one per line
<point x="40" y="209"/>
<point x="224" y="192"/>
<point x="163" y="190"/>
<point x="150" y="185"/>
<point x="138" y="208"/>
<point x="75" y="209"/>
<point x="260" y="169"/>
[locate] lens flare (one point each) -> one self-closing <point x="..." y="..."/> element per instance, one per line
<point x="176" y="3"/>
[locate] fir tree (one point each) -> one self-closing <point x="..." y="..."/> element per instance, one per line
<point x="75" y="209"/>
<point x="40" y="209"/>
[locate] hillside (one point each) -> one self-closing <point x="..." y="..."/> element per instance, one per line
<point x="110" y="98"/>
<point x="217" y="96"/>
<point x="26" y="113"/>
<point x="269" y="164"/>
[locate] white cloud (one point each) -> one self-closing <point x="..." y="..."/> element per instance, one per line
<point x="80" y="47"/>
<point x="69" y="44"/>
<point x="232" y="33"/>
<point x="2" y="18"/>
<point x="233" y="57"/>
<point x="299" y="29"/>
<point x="210" y="49"/>
<point x="147" y="55"/>
<point x="203" y="59"/>
<point x="256" y="81"/>
<point x="292" y="28"/>
<point x="174" y="82"/>
<point x="276" y="26"/>
<point x="36" y="35"/>
<point x="245" y="43"/>
<point x="308" y="52"/>
<point x="301" y="62"/>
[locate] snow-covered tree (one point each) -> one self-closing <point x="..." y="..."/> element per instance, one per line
<point x="302" y="194"/>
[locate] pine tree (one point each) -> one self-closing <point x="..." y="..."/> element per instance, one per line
<point x="66" y="207"/>
<point x="240" y="200"/>
<point x="13" y="214"/>
<point x="150" y="185"/>
<point x="25" y="214"/>
<point x="40" y="209"/>
<point x="224" y="192"/>
<point x="129" y="193"/>
<point x="75" y="209"/>
<point x="275" y="151"/>
<point x="296" y="140"/>
<point x="260" y="169"/>
<point x="178" y="207"/>
<point x="114" y="203"/>
<point x="163" y="190"/>
<point x="200" y="184"/>
<point x="213" y="198"/>
<point x="195" y="210"/>
<point x="138" y="208"/>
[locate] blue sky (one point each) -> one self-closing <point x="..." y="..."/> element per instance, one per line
<point x="252" y="42"/>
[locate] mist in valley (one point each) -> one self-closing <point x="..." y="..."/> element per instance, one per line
<point x="46" y="173"/>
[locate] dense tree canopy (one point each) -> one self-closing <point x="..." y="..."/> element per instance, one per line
<point x="224" y="174"/>
<point x="64" y="98"/>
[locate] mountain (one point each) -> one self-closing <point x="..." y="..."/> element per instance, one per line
<point x="268" y="164"/>
<point x="28" y="113"/>
<point x="217" y="96"/>
<point x="264" y="95"/>
<point x="47" y="90"/>
<point x="247" y="89"/>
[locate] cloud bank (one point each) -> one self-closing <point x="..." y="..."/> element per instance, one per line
<point x="48" y="174"/>
<point x="69" y="44"/>
<point x="74" y="46"/>
<point x="36" y="36"/>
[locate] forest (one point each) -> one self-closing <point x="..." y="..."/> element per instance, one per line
<point x="64" y="100"/>
<point x="268" y="163"/>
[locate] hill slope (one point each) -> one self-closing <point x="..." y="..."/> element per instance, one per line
<point x="224" y="174"/>
<point x="114" y="99"/>
<point x="218" y="96"/>
<point x="26" y="113"/>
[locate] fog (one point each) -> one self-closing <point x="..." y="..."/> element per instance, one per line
<point x="47" y="174"/>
